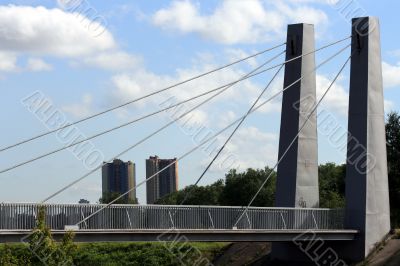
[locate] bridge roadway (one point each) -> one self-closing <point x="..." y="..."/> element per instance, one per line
<point x="199" y="235"/>
<point x="181" y="223"/>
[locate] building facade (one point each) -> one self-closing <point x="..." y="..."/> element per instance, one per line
<point x="162" y="183"/>
<point x="119" y="177"/>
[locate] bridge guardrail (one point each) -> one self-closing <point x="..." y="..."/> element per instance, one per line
<point x="22" y="216"/>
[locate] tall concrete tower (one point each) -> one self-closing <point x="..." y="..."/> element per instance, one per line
<point x="297" y="180"/>
<point x="367" y="193"/>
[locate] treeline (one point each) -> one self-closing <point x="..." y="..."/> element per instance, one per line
<point x="393" y="155"/>
<point x="238" y="188"/>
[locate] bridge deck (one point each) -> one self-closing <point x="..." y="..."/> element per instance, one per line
<point x="188" y="235"/>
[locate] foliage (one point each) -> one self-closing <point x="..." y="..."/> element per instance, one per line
<point x="83" y="201"/>
<point x="393" y="156"/>
<point x="237" y="190"/>
<point x="11" y="258"/>
<point x="110" y="196"/>
<point x="332" y="185"/>
<point x="195" y="195"/>
<point x="132" y="254"/>
<point x="41" y="248"/>
<point x="150" y="254"/>
<point x="241" y="187"/>
<point x="45" y="249"/>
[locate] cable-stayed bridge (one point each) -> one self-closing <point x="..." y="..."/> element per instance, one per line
<point x="198" y="223"/>
<point x="353" y="231"/>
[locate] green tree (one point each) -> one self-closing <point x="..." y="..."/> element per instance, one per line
<point x="241" y="187"/>
<point x="332" y="185"/>
<point x="393" y="156"/>
<point x="195" y="195"/>
<point x="9" y="258"/>
<point x="44" y="249"/>
<point x="84" y="201"/>
<point x="237" y="190"/>
<point x="109" y="197"/>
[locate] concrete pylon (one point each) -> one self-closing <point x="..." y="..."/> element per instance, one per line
<point x="297" y="179"/>
<point x="367" y="194"/>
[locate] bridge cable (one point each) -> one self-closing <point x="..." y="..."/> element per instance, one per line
<point x="141" y="98"/>
<point x="149" y="115"/>
<point x="205" y="141"/>
<point x="140" y="118"/>
<point x="294" y="139"/>
<point x="162" y="90"/>
<point x="155" y="132"/>
<point x="232" y="133"/>
<point x="123" y="152"/>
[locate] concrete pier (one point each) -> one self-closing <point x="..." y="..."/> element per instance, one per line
<point x="297" y="174"/>
<point x="367" y="193"/>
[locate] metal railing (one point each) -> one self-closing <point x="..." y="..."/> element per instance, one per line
<point x="22" y="216"/>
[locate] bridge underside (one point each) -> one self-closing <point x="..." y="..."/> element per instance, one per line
<point x="7" y="236"/>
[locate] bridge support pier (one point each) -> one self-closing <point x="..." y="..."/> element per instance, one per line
<point x="367" y="194"/>
<point x="297" y="180"/>
<point x="297" y="174"/>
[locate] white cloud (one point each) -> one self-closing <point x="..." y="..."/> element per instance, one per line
<point x="337" y="99"/>
<point x="250" y="147"/>
<point x="236" y="21"/>
<point x="37" y="64"/>
<point x="131" y="85"/>
<point x="195" y="119"/>
<point x="311" y="1"/>
<point x="391" y="75"/>
<point x="226" y="118"/>
<point x="237" y="54"/>
<point x="135" y="84"/>
<point x="82" y="109"/>
<point x="114" y="60"/>
<point x="8" y="62"/>
<point x="42" y="31"/>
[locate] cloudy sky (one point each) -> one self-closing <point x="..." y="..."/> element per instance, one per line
<point x="87" y="56"/>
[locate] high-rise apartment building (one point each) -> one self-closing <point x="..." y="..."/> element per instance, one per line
<point x="119" y="177"/>
<point x="163" y="183"/>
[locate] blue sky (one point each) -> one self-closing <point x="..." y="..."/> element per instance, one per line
<point x="85" y="62"/>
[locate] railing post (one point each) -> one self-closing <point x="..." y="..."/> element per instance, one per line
<point x="315" y="221"/>
<point x="212" y="222"/>
<point x="83" y="217"/>
<point x="248" y="220"/>
<point x="283" y="221"/>
<point x="129" y="218"/>
<point x="172" y="221"/>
